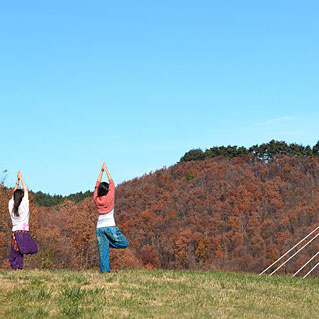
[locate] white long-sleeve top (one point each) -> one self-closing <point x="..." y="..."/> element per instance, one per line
<point x="20" y="222"/>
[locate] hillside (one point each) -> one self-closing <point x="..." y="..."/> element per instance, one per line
<point x="234" y="214"/>
<point x="154" y="294"/>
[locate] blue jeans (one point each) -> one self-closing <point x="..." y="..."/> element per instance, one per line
<point x="108" y="237"/>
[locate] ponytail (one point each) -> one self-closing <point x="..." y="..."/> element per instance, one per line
<point x="17" y="197"/>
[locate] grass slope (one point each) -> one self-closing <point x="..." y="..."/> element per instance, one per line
<point x="154" y="294"/>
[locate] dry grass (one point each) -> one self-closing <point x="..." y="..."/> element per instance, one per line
<point x="154" y="294"/>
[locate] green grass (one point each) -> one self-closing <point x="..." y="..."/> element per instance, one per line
<point x="155" y="294"/>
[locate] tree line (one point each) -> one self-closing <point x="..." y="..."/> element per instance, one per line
<point x="47" y="200"/>
<point x="265" y="151"/>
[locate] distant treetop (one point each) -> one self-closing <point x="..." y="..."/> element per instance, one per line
<point x="264" y="151"/>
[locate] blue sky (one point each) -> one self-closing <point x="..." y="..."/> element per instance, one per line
<point x="139" y="83"/>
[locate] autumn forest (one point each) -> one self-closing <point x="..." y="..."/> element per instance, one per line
<point x="225" y="208"/>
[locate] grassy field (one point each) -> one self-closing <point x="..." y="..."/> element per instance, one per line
<point x="154" y="294"/>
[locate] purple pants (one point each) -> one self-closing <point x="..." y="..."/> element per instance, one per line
<point x="26" y="245"/>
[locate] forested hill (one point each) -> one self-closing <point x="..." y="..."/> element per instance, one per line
<point x="232" y="214"/>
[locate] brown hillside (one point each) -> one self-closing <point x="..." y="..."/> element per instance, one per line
<point x="233" y="215"/>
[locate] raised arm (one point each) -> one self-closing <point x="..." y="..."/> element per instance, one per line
<point x="98" y="181"/>
<point x="26" y="192"/>
<point x="101" y="173"/>
<point x="110" y="195"/>
<point x="17" y="184"/>
<point x="107" y="171"/>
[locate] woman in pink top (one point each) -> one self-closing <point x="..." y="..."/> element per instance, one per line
<point x="108" y="235"/>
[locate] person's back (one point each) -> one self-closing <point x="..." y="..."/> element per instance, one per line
<point x="20" y="219"/>
<point x="104" y="194"/>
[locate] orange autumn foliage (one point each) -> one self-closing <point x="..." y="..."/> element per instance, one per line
<point x="238" y="215"/>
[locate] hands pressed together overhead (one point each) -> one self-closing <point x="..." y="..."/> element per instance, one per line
<point x="20" y="178"/>
<point x="104" y="168"/>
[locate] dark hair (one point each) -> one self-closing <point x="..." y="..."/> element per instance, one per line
<point x="103" y="189"/>
<point x="17" y="197"/>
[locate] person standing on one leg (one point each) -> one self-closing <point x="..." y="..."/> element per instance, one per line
<point x="108" y="235"/>
<point x="22" y="242"/>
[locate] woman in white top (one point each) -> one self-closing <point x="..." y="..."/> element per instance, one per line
<point x="22" y="242"/>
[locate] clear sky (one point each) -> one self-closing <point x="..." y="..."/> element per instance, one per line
<point x="139" y="83"/>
